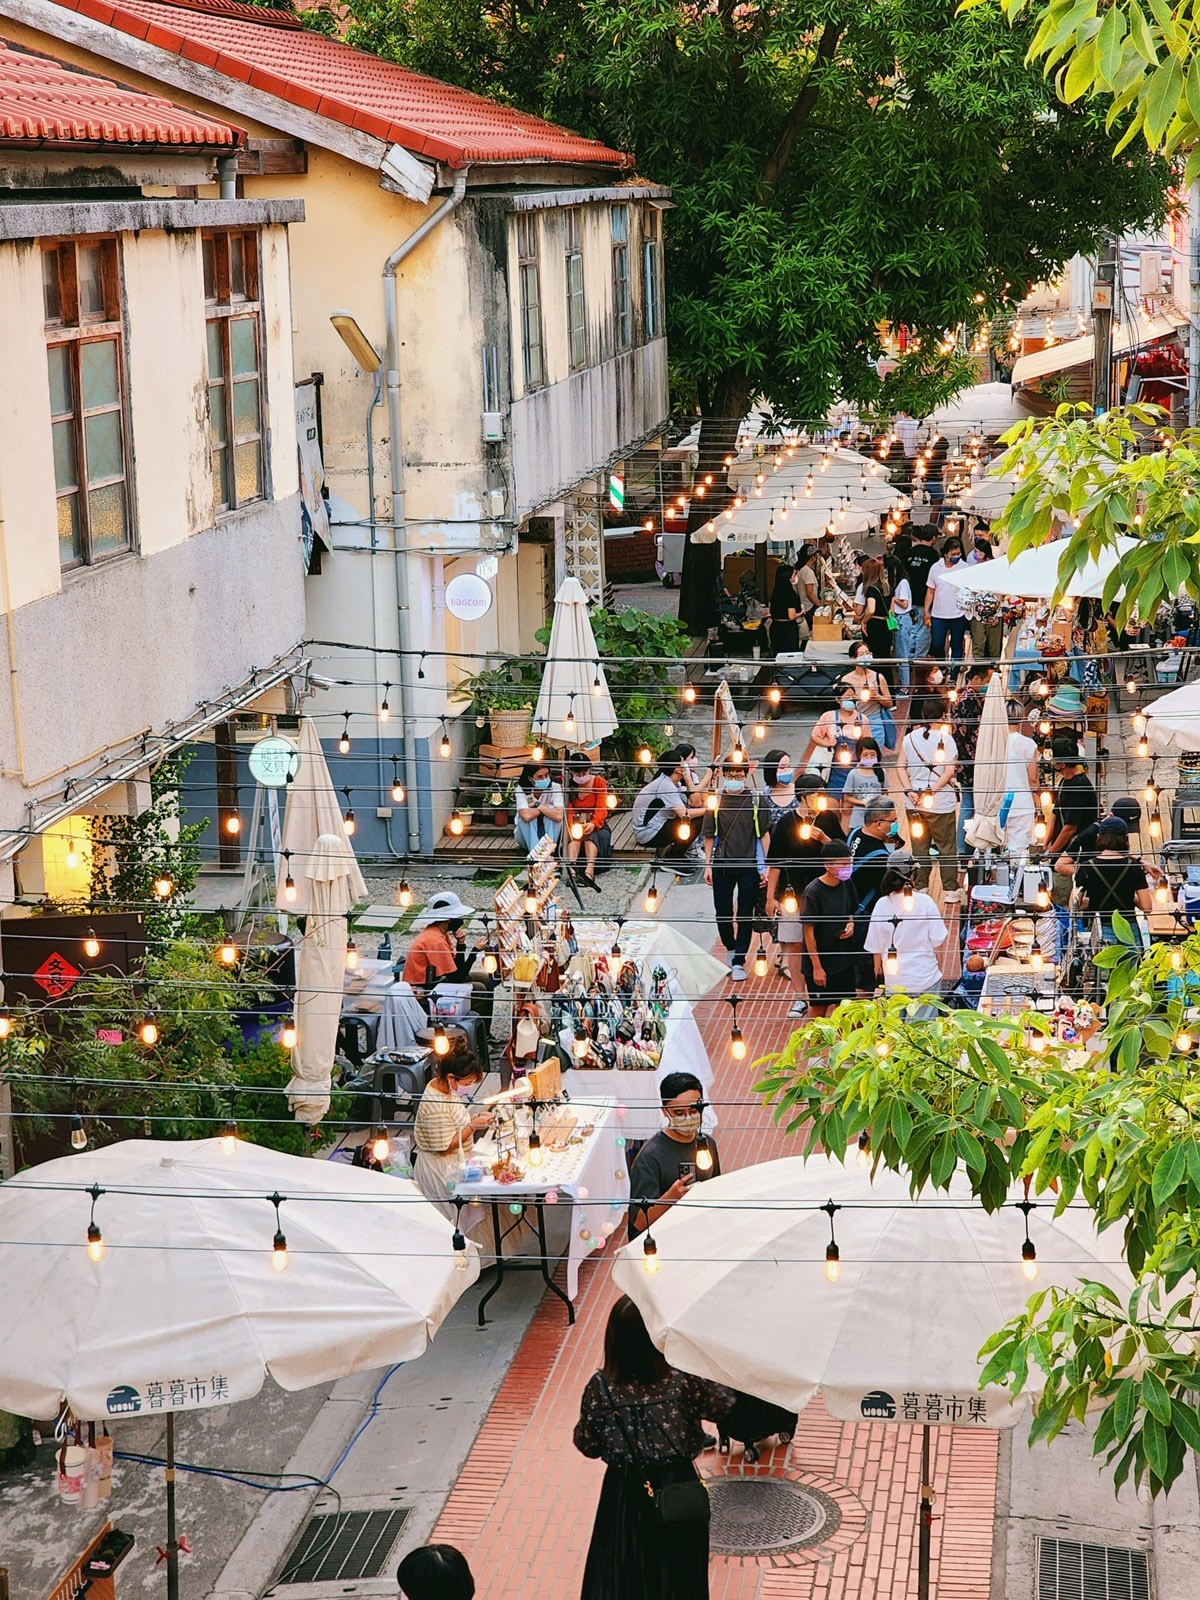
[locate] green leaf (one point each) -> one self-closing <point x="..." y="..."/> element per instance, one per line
<point x="1081" y="73"/>
<point x="1157" y="1400"/>
<point x="1169" y="1172"/>
<point x="1108" y="46"/>
<point x="1162" y="97"/>
<point x="1154" y="1442"/>
<point x="1125" y="1405"/>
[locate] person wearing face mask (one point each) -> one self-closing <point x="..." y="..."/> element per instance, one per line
<point x="863" y="782"/>
<point x="439" y="950"/>
<point x="793" y="861"/>
<point x="876" y="604"/>
<point x="732" y="832"/>
<point x="904" y="936"/>
<point x="667" y="1165"/>
<point x="445" y="1127"/>
<point x="587" y="817"/>
<point x="871" y="850"/>
<point x="872" y="694"/>
<point x="926" y="772"/>
<point x="944" y="614"/>
<point x="831" y="945"/>
<point x="831" y="748"/>
<point x="539" y="802"/>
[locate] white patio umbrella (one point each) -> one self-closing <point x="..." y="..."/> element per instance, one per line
<point x="321" y="974"/>
<point x="986" y="496"/>
<point x="312" y="809"/>
<point x="175" y="1306"/>
<point x="834" y="472"/>
<point x="786" y="520"/>
<point x="919" y="1286"/>
<point x="1033" y="574"/>
<point x="326" y="885"/>
<point x="1173" y="721"/>
<point x="991" y="750"/>
<point x="571" y="712"/>
<point x="984" y="410"/>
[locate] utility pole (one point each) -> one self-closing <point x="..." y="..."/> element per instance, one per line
<point x="1104" y="293"/>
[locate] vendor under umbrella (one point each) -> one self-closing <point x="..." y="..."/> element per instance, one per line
<point x="439" y="952"/>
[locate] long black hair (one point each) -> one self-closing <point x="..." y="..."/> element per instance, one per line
<point x="783" y="591"/>
<point x="629" y="1356"/>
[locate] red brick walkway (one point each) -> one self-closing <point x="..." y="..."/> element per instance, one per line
<point x="523" y="1506"/>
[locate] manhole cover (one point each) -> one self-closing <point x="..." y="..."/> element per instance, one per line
<point x="760" y="1516"/>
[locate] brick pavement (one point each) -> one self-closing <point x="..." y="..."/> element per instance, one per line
<point x="523" y="1505"/>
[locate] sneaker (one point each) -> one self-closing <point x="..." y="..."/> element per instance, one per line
<point x="798" y="1008"/>
<point x="737" y="972"/>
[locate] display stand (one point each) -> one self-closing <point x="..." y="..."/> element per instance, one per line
<point x="516" y="928"/>
<point x="726" y="726"/>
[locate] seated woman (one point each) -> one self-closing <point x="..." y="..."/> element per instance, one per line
<point x="587" y="816"/>
<point x="445" y="1128"/>
<point x="1109" y="881"/>
<point x="539" y="802"/>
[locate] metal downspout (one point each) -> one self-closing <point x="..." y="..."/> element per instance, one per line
<point x="391" y="321"/>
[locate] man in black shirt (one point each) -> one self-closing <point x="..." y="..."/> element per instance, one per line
<point x="793" y="861"/>
<point x="731" y="835"/>
<point x="672" y="1160"/>
<point x="1075" y="805"/>
<point x="832" y="951"/>
<point x="871" y="849"/>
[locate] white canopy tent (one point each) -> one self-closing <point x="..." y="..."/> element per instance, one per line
<point x="982" y="411"/>
<point x="1033" y="575"/>
<point x="1173" y="721"/>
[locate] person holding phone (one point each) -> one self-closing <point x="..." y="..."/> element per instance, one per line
<point x="672" y="1160"/>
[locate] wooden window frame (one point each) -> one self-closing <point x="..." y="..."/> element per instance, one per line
<point x="222" y="308"/>
<point x="577" y="340"/>
<point x="653" y="308"/>
<point x="622" y="284"/>
<point x="71" y="329"/>
<point x="529" y="274"/>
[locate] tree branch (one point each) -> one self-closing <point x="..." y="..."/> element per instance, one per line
<point x="799" y="114"/>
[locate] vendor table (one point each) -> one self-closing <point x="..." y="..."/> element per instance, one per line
<point x="566" y="1177"/>
<point x="638" y="1107"/>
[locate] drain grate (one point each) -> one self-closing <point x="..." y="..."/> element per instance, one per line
<point x="344" y="1545"/>
<point x="763" y="1516"/>
<point x="1070" y="1571"/>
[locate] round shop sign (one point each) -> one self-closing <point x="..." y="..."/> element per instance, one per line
<point x="468" y="597"/>
<point x="273" y="761"/>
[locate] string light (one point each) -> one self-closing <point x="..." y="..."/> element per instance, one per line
<point x="279" y="1245"/>
<point x="491" y="961"/>
<point x="348" y="821"/>
<point x="404" y="894"/>
<point x="1162" y="893"/>
<point x="1184" y="1042"/>
<point x="737" y="1044"/>
<point x="863" y="1155"/>
<point x="385" y="710"/>
<point x="531" y="903"/>
<point x="833" y="1256"/>
<point x="1043" y="897"/>
<point x="704" y="1155"/>
<point x="441" y="1040"/>
<point x="916" y="827"/>
<point x="579" y="1044"/>
<point x="908" y="897"/>
<point x="538" y="753"/>
<point x="287" y="1036"/>
<point x="683" y="831"/>
<point x="1029" y="1266"/>
<point x="775" y="695"/>
<point x="343" y="743"/>
<point x="738" y="754"/>
<point x="91" y="945"/>
<point x="597" y="686"/>
<point x="397" y="786"/>
<point x="649" y="1254"/>
<point x="72" y="858"/>
<point x="760" y="961"/>
<point x="1177" y="965"/>
<point x="645" y="755"/>
<point x="576" y="830"/>
<point x="456" y="824"/>
<point x="381" y="1145"/>
<point x="688" y="694"/>
<point x="229" y="1133"/>
<point x="651" y="900"/>
<point x="79" y="1137"/>
<point x="148" y="1031"/>
<point x="569" y="719"/>
<point x="351" y="953"/>
<point x="535" y="1148"/>
<point x="289" y="883"/>
<point x="164" y="886"/>
<point x="791" y="902"/>
<point x="445" y="747"/>
<point x="233" y="824"/>
<point x="1156" y="827"/>
<point x="95" y="1242"/>
<point x="458" y="1244"/>
<point x="228" y="952"/>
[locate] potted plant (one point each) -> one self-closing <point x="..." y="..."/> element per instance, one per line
<point x="506" y="700"/>
<point x="500" y="797"/>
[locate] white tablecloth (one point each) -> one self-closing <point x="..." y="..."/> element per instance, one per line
<point x="591" y="1178"/>
<point x="639" y="1109"/>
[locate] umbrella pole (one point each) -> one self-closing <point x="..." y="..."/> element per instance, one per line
<point x="924" y="1520"/>
<point x="172" y="1542"/>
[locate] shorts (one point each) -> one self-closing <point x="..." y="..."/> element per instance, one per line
<point x="789" y="930"/>
<point x="841" y="977"/>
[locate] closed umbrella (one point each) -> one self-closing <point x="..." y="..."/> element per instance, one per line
<point x="991" y="749"/>
<point x="1033" y="575"/>
<point x="574" y="707"/>
<point x="919" y="1285"/>
<point x="320" y="974"/>
<point x="174" y="1306"/>
<point x="325" y="885"/>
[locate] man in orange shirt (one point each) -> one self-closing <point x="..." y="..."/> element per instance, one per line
<point x="587" y="815"/>
<point x="439" y="949"/>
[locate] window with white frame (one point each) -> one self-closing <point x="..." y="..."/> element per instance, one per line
<point x="576" y="306"/>
<point x="530" y="287"/>
<point x="622" y="298"/>
<point x="652" y="289"/>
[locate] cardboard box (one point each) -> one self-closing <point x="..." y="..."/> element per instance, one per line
<point x="826" y="627"/>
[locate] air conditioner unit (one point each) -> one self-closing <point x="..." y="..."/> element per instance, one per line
<point x="493" y="427"/>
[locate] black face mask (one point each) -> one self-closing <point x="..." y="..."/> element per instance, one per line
<point x="455" y="925"/>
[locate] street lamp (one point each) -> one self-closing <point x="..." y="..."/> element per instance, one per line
<point x="356" y="341"/>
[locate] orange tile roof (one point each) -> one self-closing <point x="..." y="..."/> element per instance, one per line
<point x="270" y="50"/>
<point x="47" y="102"/>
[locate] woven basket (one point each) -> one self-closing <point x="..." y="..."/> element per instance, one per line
<point x="510" y="729"/>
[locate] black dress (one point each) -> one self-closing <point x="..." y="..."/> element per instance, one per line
<point x="878" y="634"/>
<point x="648" y="1434"/>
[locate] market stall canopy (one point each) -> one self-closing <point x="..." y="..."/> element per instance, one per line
<point x="983" y="411"/>
<point x="184" y="1311"/>
<point x="574" y="707"/>
<point x="922" y="1285"/>
<point x="823" y="473"/>
<point x="1173" y="721"/>
<point x="986" y="496"/>
<point x="1033" y="575"/>
<point x="1144" y="329"/>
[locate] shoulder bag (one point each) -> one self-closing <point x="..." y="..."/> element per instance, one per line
<point x="676" y="1503"/>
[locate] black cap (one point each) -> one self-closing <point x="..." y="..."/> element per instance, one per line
<point x="1064" y="747"/>
<point x="809" y="783"/>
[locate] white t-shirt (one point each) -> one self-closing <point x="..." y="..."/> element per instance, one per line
<point x="920" y="748"/>
<point x="916" y="937"/>
<point x="1018" y="753"/>
<point x="902" y="596"/>
<point x="528" y="798"/>
<point x="947" y="601"/>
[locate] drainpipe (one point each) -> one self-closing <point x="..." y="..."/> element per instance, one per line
<point x="13" y="684"/>
<point x="226" y="177"/>
<point x="396" y="464"/>
<point x="384" y="784"/>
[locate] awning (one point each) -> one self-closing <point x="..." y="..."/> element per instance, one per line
<point x="1144" y="329"/>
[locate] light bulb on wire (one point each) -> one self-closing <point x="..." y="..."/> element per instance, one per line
<point x="404" y="895"/>
<point x="444" y="746"/>
<point x="649" y="1254"/>
<point x="95" y="1242"/>
<point x="79" y="1136"/>
<point x="148" y="1031"/>
<point x="229" y="1133"/>
<point x="287" y="1036"/>
<point x="233" y="824"/>
<point x="351" y="953"/>
<point x="228" y="952"/>
<point x="381" y="1144"/>
<point x="164" y="886"/>
<point x="651" y="901"/>
<point x="91" y="945"/>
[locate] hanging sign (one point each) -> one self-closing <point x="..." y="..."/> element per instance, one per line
<point x="273" y="761"/>
<point x="468" y="597"/>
